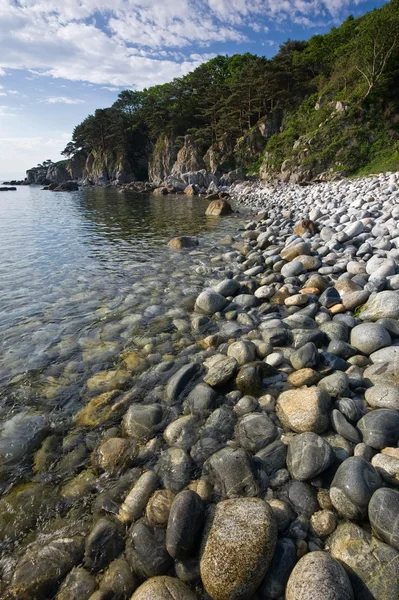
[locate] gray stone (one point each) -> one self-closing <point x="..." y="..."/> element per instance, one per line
<point x="273" y="456"/>
<point x="243" y="352"/>
<point x="308" y="455"/>
<point x="238" y="548"/>
<point x="209" y="302"/>
<point x="317" y="576"/>
<point x="232" y="474"/>
<point x="383" y="396"/>
<point x="103" y="544"/>
<point x="144" y="421"/>
<point x="386" y="355"/>
<point x="305" y="357"/>
<point x="369" y="337"/>
<point x="354" y="483"/>
<point x="335" y="384"/>
<point x="174" y="469"/>
<point x="181" y="383"/>
<point x="227" y="287"/>
<point x="201" y="400"/>
<point x="246" y="301"/>
<point x="223" y="368"/>
<point x="78" y="585"/>
<point x="383" y="305"/>
<point x="303" y="498"/>
<point x="284" y="559"/>
<point x="342" y="427"/>
<point x="185" y="523"/>
<point x="380" y="428"/>
<point x="384" y="516"/>
<point x="255" y="431"/>
<point x="146" y="550"/>
<point x="292" y="269"/>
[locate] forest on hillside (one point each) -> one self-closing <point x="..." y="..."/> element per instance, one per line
<point x="222" y="101"/>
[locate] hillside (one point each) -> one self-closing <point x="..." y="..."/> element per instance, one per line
<point x="319" y="108"/>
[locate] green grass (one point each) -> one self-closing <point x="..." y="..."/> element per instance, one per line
<point x="383" y="162"/>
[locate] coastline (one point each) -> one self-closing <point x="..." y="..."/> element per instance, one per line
<point x="284" y="406"/>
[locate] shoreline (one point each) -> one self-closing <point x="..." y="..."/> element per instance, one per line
<point x="285" y="407"/>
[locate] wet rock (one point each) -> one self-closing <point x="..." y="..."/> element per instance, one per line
<point x="308" y="455"/>
<point x="243" y="352"/>
<point x="335" y="384"/>
<point x="115" y="455"/>
<point x="174" y="469"/>
<point x="255" y="431"/>
<point x="305" y="357"/>
<point x="143" y="421"/>
<point x="317" y="576"/>
<point x="238" y="548"/>
<point x="105" y="408"/>
<point x="380" y="428"/>
<point x="103" y="544"/>
<point x="250" y="377"/>
<point x="78" y="585"/>
<point x="383" y="513"/>
<point x="42" y="567"/>
<point x="354" y="483"/>
<point x="342" y="427"/>
<point x="323" y="523"/>
<point x="181" y="383"/>
<point x="107" y="381"/>
<point x="185" y="523"/>
<point x="183" y="241"/>
<point x="218" y="208"/>
<point x="19" y="438"/>
<point x="231" y="473"/>
<point x="372" y="567"/>
<point x="118" y="582"/>
<point x="221" y="370"/>
<point x="273" y="456"/>
<point x="136" y="500"/>
<point x="304" y="410"/>
<point x="164" y="588"/>
<point x="387" y="465"/>
<point x="146" y="550"/>
<point x="201" y="400"/>
<point x="227" y="287"/>
<point x="158" y="508"/>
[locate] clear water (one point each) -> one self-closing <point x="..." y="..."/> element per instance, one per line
<point x="81" y="275"/>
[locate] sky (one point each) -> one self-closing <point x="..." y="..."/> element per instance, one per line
<point x="62" y="59"/>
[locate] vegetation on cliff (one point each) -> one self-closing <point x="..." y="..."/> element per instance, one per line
<point x="330" y="103"/>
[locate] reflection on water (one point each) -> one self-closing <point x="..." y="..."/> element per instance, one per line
<point x="78" y="272"/>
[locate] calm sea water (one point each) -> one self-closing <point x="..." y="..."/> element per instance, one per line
<point x="82" y="276"/>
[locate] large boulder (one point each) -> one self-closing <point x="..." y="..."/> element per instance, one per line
<point x="67" y="186"/>
<point x="317" y="576"/>
<point x="383" y="305"/>
<point x="238" y="548"/>
<point x="183" y="241"/>
<point x="218" y="208"/>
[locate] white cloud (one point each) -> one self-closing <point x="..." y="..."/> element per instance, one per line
<point x="63" y="100"/>
<point x="5" y="111"/>
<point x="140" y="42"/>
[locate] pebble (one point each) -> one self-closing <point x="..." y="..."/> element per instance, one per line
<point x="352" y="487"/>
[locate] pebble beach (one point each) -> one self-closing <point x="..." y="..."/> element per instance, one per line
<point x="247" y="448"/>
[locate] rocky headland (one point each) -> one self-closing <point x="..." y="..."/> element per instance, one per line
<point x="261" y="460"/>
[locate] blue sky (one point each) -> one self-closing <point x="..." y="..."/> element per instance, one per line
<point x="62" y="59"/>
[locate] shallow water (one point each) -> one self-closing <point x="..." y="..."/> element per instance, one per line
<point x="81" y="274"/>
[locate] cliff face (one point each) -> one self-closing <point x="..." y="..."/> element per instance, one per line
<point x="188" y="158"/>
<point x="162" y="159"/>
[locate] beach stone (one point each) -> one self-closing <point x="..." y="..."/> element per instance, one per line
<point x="183" y="241"/>
<point x="218" y="208"/>
<point x="238" y="548"/>
<point x="103" y="544"/>
<point x="182" y="433"/>
<point x="78" y="585"/>
<point x="164" y="588"/>
<point x="292" y="269"/>
<point x="390" y="354"/>
<point x="105" y="408"/>
<point x="250" y="377"/>
<point x="335" y="384"/>
<point x="354" y="483"/>
<point x="303" y="498"/>
<point x="385" y="373"/>
<point x="146" y="550"/>
<point x="292" y="252"/>
<point x="305" y="357"/>
<point x="342" y="427"/>
<point x="209" y="302"/>
<point x="304" y="410"/>
<point x="308" y="455"/>
<point x="383" y="305"/>
<point x="317" y="576"/>
<point x="273" y="456"/>
<point x="136" y="500"/>
<point x="231" y="473"/>
<point x="383" y="513"/>
<point x="306" y="226"/>
<point x="143" y="421"/>
<point x="243" y="352"/>
<point x="330" y="297"/>
<point x="380" y="428"/>
<point x="185" y="523"/>
<point x="275" y="581"/>
<point x="115" y="455"/>
<point x="383" y="396"/>
<point x="181" y="383"/>
<point x="174" y="469"/>
<point x="227" y="287"/>
<point x="201" y="400"/>
<point x="158" y="507"/>
<point x="118" y="580"/>
<point x="106" y="381"/>
<point x="372" y="566"/>
<point x="387" y="465"/>
<point x="303" y="377"/>
<point x="323" y="523"/>
<point x="255" y="431"/>
<point x="223" y="368"/>
<point x="20" y="437"/>
<point x="369" y="337"/>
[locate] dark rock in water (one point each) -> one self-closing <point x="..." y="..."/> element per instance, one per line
<point x="8" y="189"/>
<point x="354" y="483"/>
<point x="164" y="588"/>
<point x="201" y="400"/>
<point x="238" y="547"/>
<point x="143" y="421"/>
<point x="67" y="186"/>
<point x="218" y="208"/>
<point x="372" y="567"/>
<point x="284" y="559"/>
<point x="384" y="515"/>
<point x="118" y="582"/>
<point x="305" y="357"/>
<point x="183" y="241"/>
<point x="146" y="550"/>
<point x="308" y="455"/>
<point x="78" y="585"/>
<point x="20" y="437"/>
<point x="204" y="448"/>
<point x="43" y="566"/>
<point x="103" y="544"/>
<point x="231" y="472"/>
<point x="317" y="576"/>
<point x="302" y="497"/>
<point x="255" y="431"/>
<point x="250" y="377"/>
<point x="185" y="523"/>
<point x="273" y="456"/>
<point x="220" y="424"/>
<point x="179" y="384"/>
<point x="174" y="469"/>
<point x="380" y="428"/>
